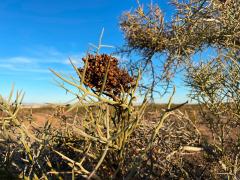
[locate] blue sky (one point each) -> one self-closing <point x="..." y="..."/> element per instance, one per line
<point x="40" y="34"/>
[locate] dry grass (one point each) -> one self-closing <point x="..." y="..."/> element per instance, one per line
<point x="182" y="149"/>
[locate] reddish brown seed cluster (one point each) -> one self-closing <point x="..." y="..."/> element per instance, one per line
<point x="96" y="70"/>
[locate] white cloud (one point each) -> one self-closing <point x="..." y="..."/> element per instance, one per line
<point x="39" y="60"/>
<point x="15" y="60"/>
<point x="20" y="60"/>
<point x="43" y="51"/>
<point x="7" y="66"/>
<point x="17" y="68"/>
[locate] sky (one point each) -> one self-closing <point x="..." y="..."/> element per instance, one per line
<point x="40" y="34"/>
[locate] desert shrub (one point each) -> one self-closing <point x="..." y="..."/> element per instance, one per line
<point x="196" y="26"/>
<point x="111" y="118"/>
<point x="102" y="141"/>
<point x="215" y="85"/>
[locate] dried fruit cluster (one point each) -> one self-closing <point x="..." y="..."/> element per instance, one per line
<point x="96" y="70"/>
